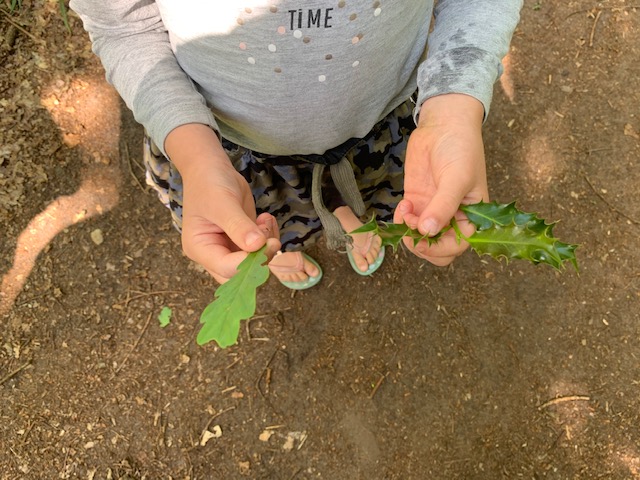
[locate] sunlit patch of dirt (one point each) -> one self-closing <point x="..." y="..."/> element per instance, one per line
<point x="88" y="116"/>
<point x="506" y="79"/>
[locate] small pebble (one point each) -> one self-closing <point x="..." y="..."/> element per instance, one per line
<point x="97" y="236"/>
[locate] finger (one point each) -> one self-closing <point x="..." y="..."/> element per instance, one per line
<point x="405" y="213"/>
<point x="441" y="209"/>
<point x="218" y="278"/>
<point x="207" y="245"/>
<point x="442" y="253"/>
<point x="273" y="247"/>
<point x="446" y="248"/>
<point x="240" y="227"/>
<point x="404" y="208"/>
<point x="268" y="224"/>
<point x="221" y="262"/>
<point x="438" y="261"/>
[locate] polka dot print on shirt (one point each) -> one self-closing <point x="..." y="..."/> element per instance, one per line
<point x="306" y="20"/>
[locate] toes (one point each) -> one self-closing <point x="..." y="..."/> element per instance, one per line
<point x="298" y="277"/>
<point x="372" y="255"/>
<point x="363" y="265"/>
<point x="365" y="261"/>
<point x="310" y="269"/>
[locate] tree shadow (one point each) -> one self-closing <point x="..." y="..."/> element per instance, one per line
<point x="69" y="177"/>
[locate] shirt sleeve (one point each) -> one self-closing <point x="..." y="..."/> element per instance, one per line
<point x="466" y="47"/>
<point x="133" y="45"/>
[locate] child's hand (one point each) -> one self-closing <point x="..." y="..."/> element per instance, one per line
<point x="444" y="168"/>
<point x="219" y="224"/>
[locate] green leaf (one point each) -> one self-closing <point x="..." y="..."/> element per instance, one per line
<point x="485" y="215"/>
<point x="64" y="14"/>
<point x="165" y="317"/>
<point x="14" y="4"/>
<point x="234" y="300"/>
<point x="502" y="231"/>
<point x="393" y="233"/>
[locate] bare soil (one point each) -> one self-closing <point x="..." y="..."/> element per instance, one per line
<point x="480" y="370"/>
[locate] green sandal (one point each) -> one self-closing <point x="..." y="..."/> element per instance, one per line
<point x="299" y="266"/>
<point x="362" y="251"/>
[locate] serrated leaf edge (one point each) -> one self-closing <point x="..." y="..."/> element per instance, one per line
<point x="254" y="260"/>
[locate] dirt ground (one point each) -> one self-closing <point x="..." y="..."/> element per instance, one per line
<point x="480" y="370"/>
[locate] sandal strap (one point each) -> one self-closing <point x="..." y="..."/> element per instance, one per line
<point x="363" y="249"/>
<point x="298" y="267"/>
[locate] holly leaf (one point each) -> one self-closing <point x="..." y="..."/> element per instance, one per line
<point x="235" y="300"/>
<point x="486" y="215"/>
<point x="393" y="233"/>
<point x="503" y="231"/>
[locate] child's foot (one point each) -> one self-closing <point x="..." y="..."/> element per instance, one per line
<point x="295" y="270"/>
<point x="366" y="250"/>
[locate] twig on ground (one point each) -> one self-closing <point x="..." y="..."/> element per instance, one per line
<point x="156" y="292"/>
<point x="21" y="28"/>
<point x="277" y="315"/>
<point x="216" y="415"/>
<point x="377" y="386"/>
<point x="295" y="474"/>
<point x="135" y="345"/>
<point x="162" y="431"/>
<point x="620" y="7"/>
<point x="593" y="29"/>
<point x="29" y="300"/>
<point x="632" y="220"/>
<point x="266" y="372"/>
<point x="27" y="432"/>
<point x="569" y="398"/>
<point x="126" y="302"/>
<point x="232" y="364"/>
<point x="12" y="374"/>
<point x="125" y="149"/>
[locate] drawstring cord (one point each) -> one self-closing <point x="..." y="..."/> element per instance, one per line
<point x="345" y="181"/>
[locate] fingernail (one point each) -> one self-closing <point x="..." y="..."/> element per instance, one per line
<point x="430" y="227"/>
<point x="403" y="207"/>
<point x="252" y="237"/>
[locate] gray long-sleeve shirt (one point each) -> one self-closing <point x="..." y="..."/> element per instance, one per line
<point x="288" y="77"/>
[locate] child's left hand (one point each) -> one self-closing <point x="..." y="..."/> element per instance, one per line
<point x="444" y="168"/>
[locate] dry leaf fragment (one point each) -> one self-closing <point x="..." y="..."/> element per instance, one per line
<point x="244" y="467"/>
<point x="629" y="131"/>
<point x="216" y="432"/>
<point x="266" y="435"/>
<point x="288" y="444"/>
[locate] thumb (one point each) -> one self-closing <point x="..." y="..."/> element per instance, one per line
<point x="240" y="227"/>
<point x="443" y="206"/>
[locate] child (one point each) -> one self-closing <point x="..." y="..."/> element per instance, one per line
<point x="269" y="121"/>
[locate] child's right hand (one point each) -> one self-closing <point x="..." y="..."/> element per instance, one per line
<point x="219" y="224"/>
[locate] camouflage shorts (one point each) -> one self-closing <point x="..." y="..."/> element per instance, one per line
<point x="281" y="185"/>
